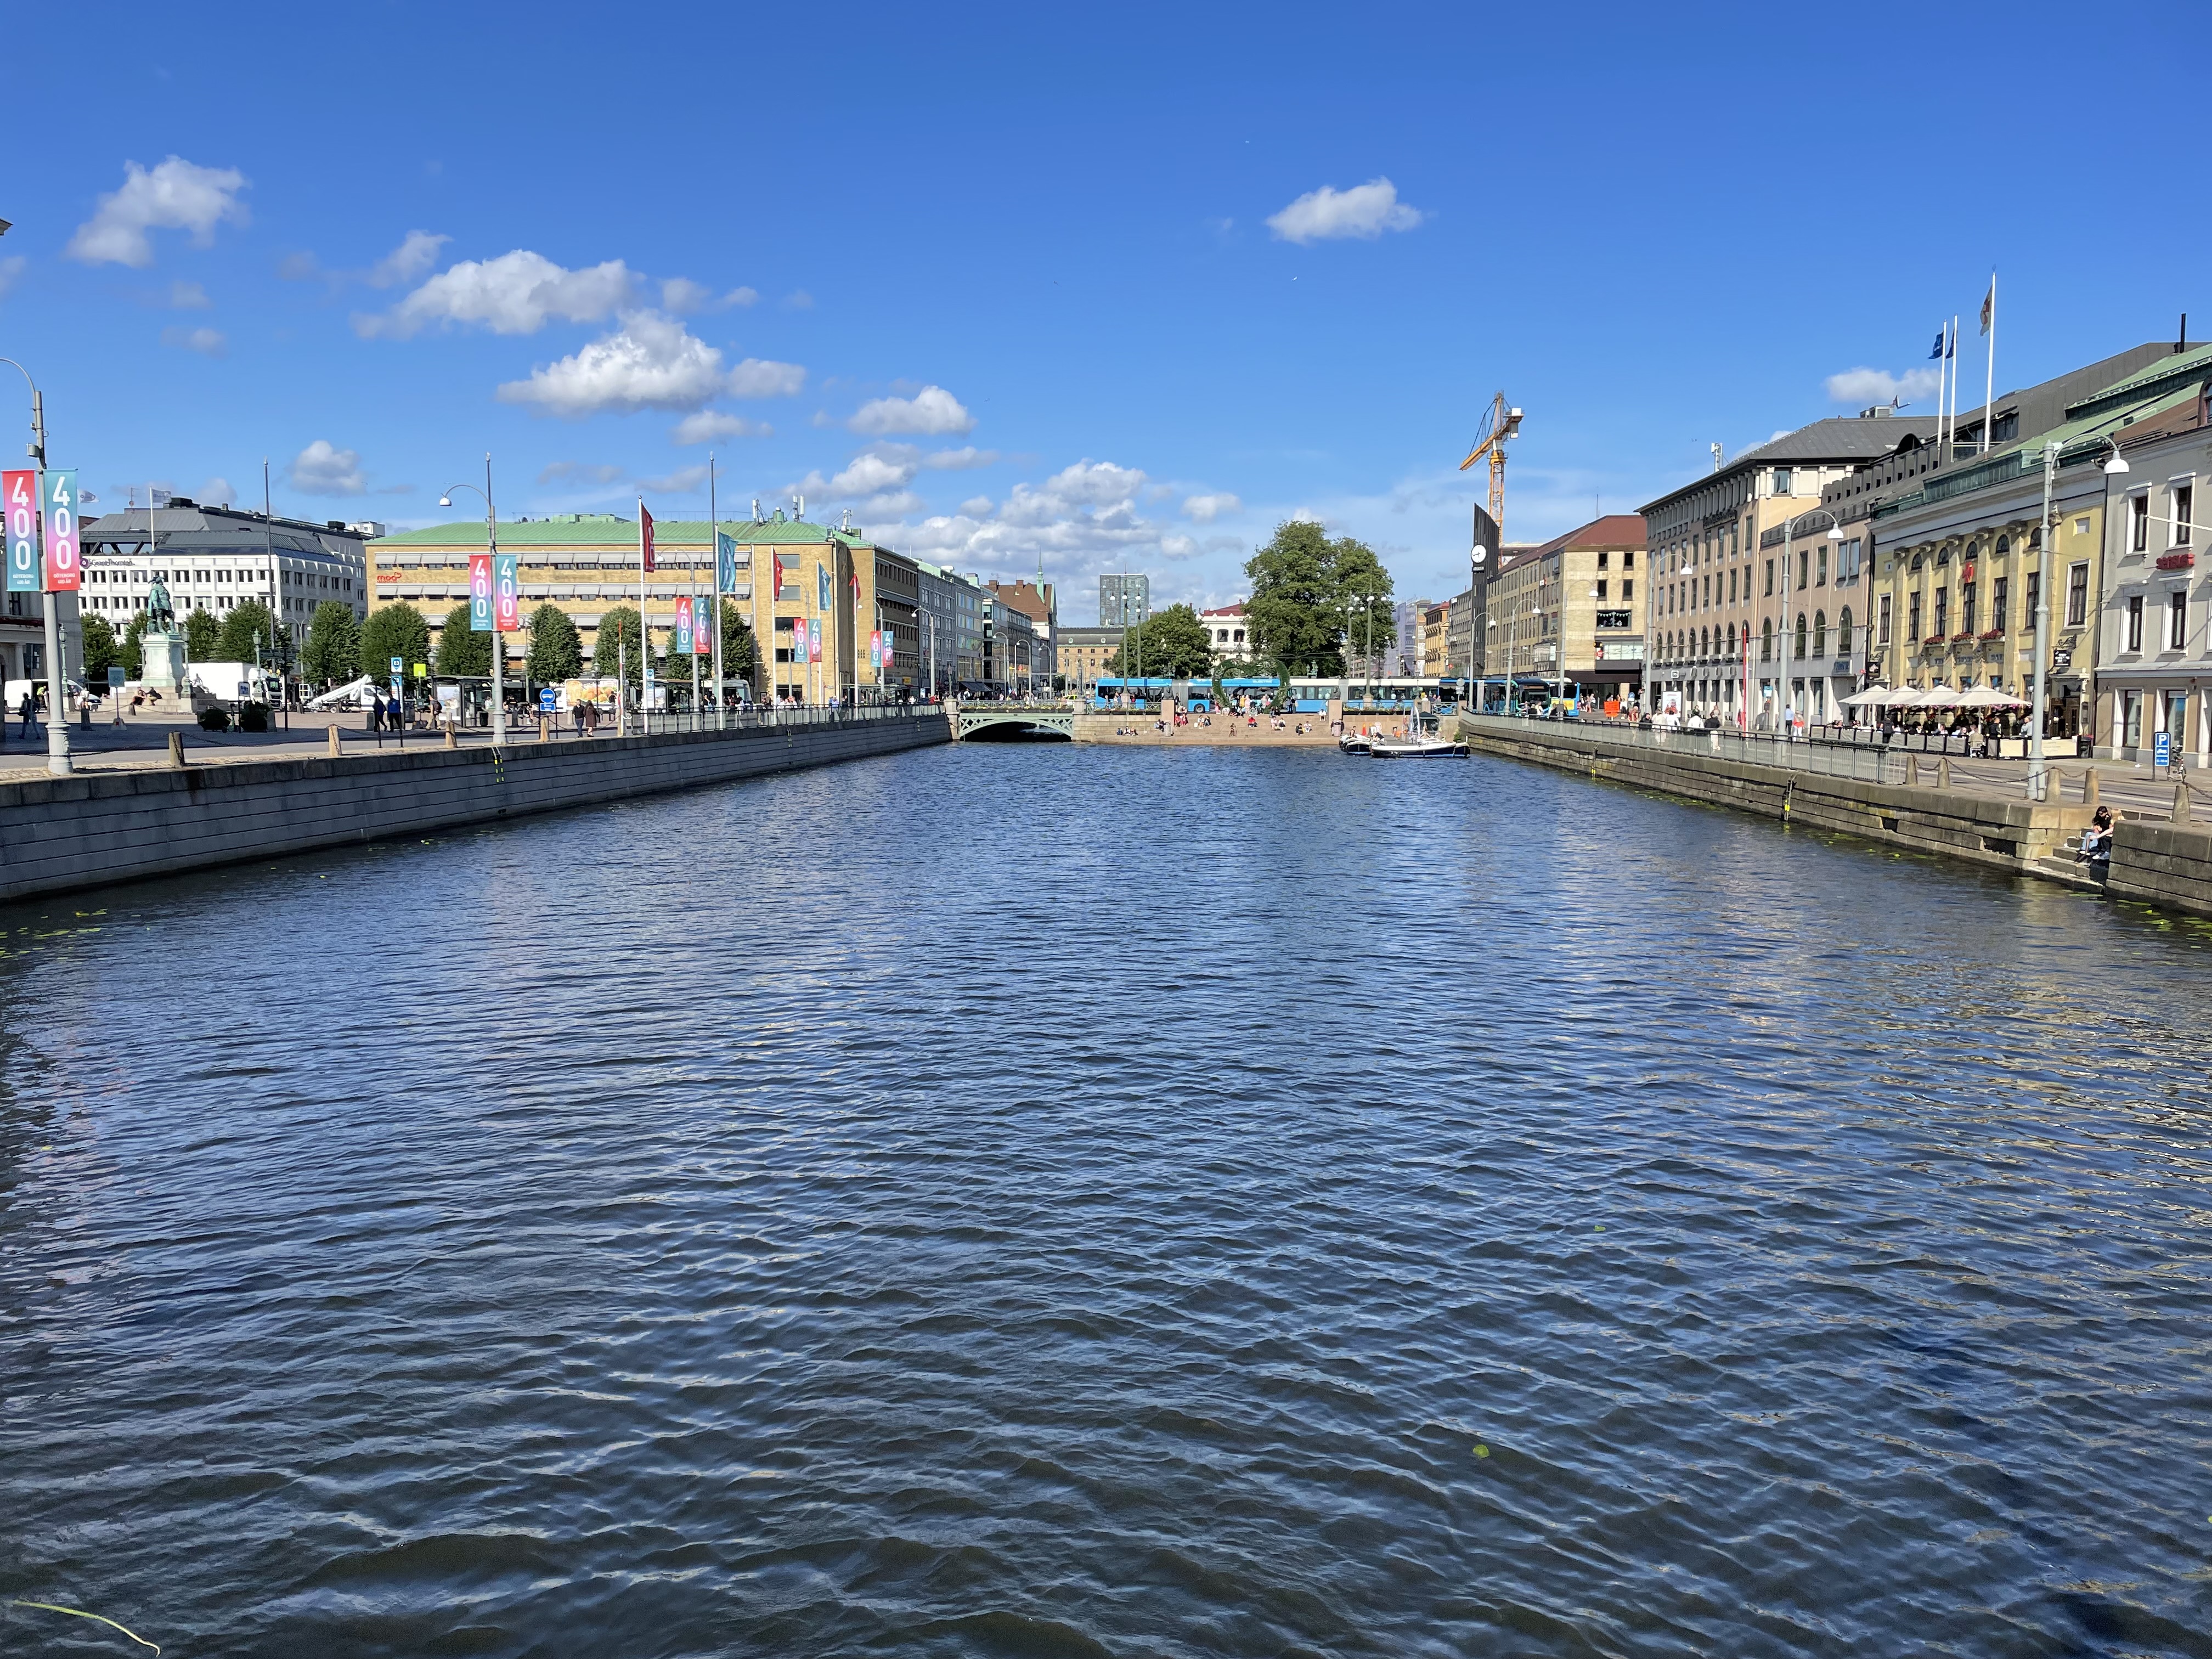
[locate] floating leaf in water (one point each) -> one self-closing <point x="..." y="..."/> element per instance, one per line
<point x="1481" y="1450"/>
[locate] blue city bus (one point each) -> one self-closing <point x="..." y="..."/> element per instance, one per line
<point x="1153" y="688"/>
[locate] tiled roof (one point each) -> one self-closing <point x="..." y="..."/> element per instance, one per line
<point x="1614" y="530"/>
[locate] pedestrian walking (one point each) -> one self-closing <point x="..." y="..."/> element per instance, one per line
<point x="376" y="711"/>
<point x="29" y="708"/>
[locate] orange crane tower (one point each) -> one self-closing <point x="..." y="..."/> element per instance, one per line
<point x="1504" y="422"/>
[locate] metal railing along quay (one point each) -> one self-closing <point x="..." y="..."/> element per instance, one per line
<point x="1870" y="762"/>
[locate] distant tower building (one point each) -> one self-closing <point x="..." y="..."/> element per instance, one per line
<point x="1124" y="601"/>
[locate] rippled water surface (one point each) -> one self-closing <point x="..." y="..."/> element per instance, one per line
<point x="1067" y="1201"/>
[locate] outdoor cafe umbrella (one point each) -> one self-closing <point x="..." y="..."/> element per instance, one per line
<point x="1988" y="696"/>
<point x="1938" y="697"/>
<point x="1879" y="696"/>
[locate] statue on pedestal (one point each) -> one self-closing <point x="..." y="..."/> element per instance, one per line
<point x="162" y="643"/>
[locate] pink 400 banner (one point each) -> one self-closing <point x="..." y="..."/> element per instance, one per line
<point x="682" y="626"/>
<point x="65" y="570"/>
<point x="19" y="501"/>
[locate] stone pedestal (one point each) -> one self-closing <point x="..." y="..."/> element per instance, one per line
<point x="164" y="669"/>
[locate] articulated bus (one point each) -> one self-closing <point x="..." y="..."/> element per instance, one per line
<point x="1308" y="695"/>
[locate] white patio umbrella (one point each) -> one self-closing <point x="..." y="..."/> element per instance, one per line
<point x="1939" y="697"/>
<point x="1988" y="696"/>
<point x="1875" y="697"/>
<point x="1907" y="696"/>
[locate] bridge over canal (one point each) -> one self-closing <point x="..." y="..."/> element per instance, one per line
<point x="1010" y="722"/>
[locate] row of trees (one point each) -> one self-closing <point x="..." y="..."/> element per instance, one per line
<point x="555" y="652"/>
<point x="241" y="632"/>
<point x="1315" y="604"/>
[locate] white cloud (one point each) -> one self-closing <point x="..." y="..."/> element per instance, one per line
<point x="174" y="195"/>
<point x="684" y="480"/>
<point x="11" y="272"/>
<point x="189" y="296"/>
<point x="321" y="470"/>
<point x="1867" y="386"/>
<point x="976" y="507"/>
<point x="579" y="472"/>
<point x="299" y="268"/>
<point x="759" y="377"/>
<point x="1206" y="508"/>
<point x="207" y="342"/>
<point x="681" y="296"/>
<point x="414" y="255"/>
<point x="742" y="296"/>
<point x="1178" y="548"/>
<point x="518" y="292"/>
<point x="652" y="362"/>
<point x="958" y="460"/>
<point x="1324" y="215"/>
<point x="217" y="492"/>
<point x="932" y="411"/>
<point x="708" y="424"/>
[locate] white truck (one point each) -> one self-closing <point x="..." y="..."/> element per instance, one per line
<point x="231" y="683"/>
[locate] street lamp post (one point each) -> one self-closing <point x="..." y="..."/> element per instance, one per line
<point x="498" y="635"/>
<point x="57" y="741"/>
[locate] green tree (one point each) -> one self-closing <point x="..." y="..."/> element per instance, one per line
<point x="100" y="651"/>
<point x="556" y="650"/>
<point x="395" y="630"/>
<point x="739" y="649"/>
<point x="248" y="628"/>
<point x="617" y="642"/>
<point x="333" y="652"/>
<point x="1309" y="593"/>
<point x="1172" y="643"/>
<point x="202" y="630"/>
<point x="133" y="649"/>
<point x="461" y="649"/>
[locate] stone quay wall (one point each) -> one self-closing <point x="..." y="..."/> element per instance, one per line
<point x="2168" y="865"/>
<point x="2007" y="834"/>
<point x="58" y="834"/>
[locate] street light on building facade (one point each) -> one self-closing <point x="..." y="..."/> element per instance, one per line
<point x="498" y="635"/>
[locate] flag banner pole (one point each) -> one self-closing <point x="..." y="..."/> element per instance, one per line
<point x="1989" y="373"/>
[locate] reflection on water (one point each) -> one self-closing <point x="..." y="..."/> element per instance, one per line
<point x="1048" y="1201"/>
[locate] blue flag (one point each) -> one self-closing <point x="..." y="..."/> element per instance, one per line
<point x="1937" y="351"/>
<point x="725" y="562"/>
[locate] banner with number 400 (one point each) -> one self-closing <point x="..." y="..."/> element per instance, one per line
<point x="65" y="570"/>
<point x="19" y="501"/>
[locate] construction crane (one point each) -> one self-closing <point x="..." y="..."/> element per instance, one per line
<point x="1504" y="422"/>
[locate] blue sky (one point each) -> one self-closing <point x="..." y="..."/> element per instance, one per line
<point x="1120" y="290"/>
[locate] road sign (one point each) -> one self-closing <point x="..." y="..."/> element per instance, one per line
<point x="2162" y="750"/>
<point x="549" y="700"/>
<point x="115" y="676"/>
<point x="2062" y="660"/>
<point x="397" y="668"/>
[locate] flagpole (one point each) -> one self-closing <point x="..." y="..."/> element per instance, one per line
<point x="1990" y="383"/>
<point x="644" y="634"/>
<point x="1951" y="428"/>
<point x="714" y="552"/>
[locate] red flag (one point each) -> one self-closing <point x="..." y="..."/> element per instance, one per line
<point x="644" y="537"/>
<point x="778" y="559"/>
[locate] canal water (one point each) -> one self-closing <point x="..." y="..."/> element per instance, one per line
<point x="1051" y="1201"/>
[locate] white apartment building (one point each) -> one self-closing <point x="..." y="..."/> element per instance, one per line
<point x="216" y="558"/>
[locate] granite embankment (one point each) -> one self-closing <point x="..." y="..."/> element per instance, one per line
<point x="57" y="835"/>
<point x="2154" y="861"/>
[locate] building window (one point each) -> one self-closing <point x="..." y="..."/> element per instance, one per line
<point x="1881" y="621"/>
<point x="1601" y="558"/>
<point x="1797" y="639"/>
<point x="2033" y="589"/>
<point x="1804" y="568"/>
<point x="1943" y="613"/>
<point x="1821" y="580"/>
<point x="1766" y="640"/>
<point x="1770" y="579"/>
<point x="1601" y="585"/>
<point x="1965" y="607"/>
<point x="2177" y="621"/>
<point x="1997" y="604"/>
<point x="1782" y="481"/>
<point x="2131" y="720"/>
<point x="1628" y="560"/>
<point x="2138" y="523"/>
<point x="2077" y="596"/>
<point x="2184" y="499"/>
<point x="1627" y="588"/>
<point x="1912" y="618"/>
<point x="2134" y="628"/>
<point x="1820" y="633"/>
<point x="1843" y="633"/>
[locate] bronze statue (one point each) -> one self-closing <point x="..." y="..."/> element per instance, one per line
<point x="160" y="614"/>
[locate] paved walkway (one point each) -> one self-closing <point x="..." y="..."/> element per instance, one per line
<point x="145" y="741"/>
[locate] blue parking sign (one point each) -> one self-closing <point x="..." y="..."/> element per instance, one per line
<point x="549" y="700"/>
<point x="2162" y="750"/>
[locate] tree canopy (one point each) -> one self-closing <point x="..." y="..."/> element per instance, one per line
<point x="617" y="642"/>
<point x="556" y="650"/>
<point x="202" y="630"/>
<point x="100" y="651"/>
<point x="461" y="649"/>
<point x="394" y="630"/>
<point x="1309" y="593"/>
<point x="332" y="655"/>
<point x="739" y="647"/>
<point x="1172" y="643"/>
<point x="238" y="641"/>
<point x="133" y="649"/>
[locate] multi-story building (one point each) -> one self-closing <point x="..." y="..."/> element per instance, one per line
<point x="1226" y="630"/>
<point x="1125" y="601"/>
<point x="1041" y="605"/>
<point x="1435" y="624"/>
<point x="1009" y="649"/>
<point x="1082" y="652"/>
<point x="1712" y="587"/>
<point x="1956" y="542"/>
<point x="216" y="558"/>
<point x="1571" y="610"/>
<point x="952" y="624"/>
<point x="2154" y="658"/>
<point x="1461" y="622"/>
